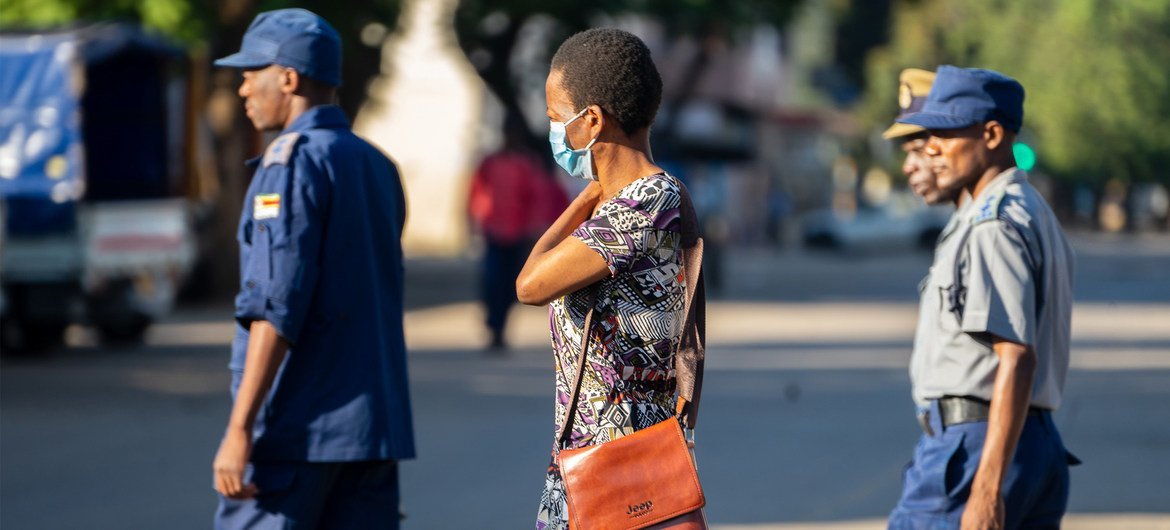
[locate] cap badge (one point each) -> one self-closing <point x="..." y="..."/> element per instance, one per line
<point x="905" y="96"/>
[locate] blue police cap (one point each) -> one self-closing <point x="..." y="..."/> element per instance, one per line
<point x="294" y="38"/>
<point x="962" y="97"/>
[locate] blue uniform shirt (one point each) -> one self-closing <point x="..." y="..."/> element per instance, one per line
<point x="321" y="260"/>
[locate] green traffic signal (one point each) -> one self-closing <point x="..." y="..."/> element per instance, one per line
<point x="1025" y="156"/>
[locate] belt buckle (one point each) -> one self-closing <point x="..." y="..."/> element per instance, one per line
<point x="924" y="422"/>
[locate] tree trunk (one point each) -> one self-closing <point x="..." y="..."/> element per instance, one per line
<point x="688" y="81"/>
<point x="497" y="75"/>
<point x="234" y="141"/>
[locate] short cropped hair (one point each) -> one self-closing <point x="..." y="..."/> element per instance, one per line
<point x="611" y="68"/>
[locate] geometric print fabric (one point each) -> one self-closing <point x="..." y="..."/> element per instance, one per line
<point x="629" y="380"/>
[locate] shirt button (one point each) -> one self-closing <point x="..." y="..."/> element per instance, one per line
<point x="261" y="228"/>
<point x="251" y="284"/>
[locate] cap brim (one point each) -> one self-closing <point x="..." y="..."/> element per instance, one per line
<point x="937" y="122"/>
<point x="244" y="60"/>
<point x="899" y="130"/>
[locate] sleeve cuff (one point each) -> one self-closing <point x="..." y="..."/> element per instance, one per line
<point x="283" y="319"/>
<point x="1004" y="328"/>
<point x="249" y="306"/>
<point x="609" y="257"/>
<point x="273" y="312"/>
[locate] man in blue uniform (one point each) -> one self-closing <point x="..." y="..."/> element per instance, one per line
<point x="321" y="409"/>
<point x="992" y="348"/>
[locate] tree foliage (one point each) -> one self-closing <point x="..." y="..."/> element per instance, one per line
<point x="220" y="24"/>
<point x="1095" y="72"/>
<point x="182" y="20"/>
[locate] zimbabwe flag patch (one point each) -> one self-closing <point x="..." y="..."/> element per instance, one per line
<point x="266" y="206"/>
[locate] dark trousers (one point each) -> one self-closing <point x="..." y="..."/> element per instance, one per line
<point x="937" y="482"/>
<point x="316" y="495"/>
<point x="501" y="265"/>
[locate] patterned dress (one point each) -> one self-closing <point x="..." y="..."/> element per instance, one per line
<point x="629" y="379"/>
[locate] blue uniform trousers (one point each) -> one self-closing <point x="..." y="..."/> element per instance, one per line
<point x="937" y="482"/>
<point x="502" y="263"/>
<point x="316" y="495"/>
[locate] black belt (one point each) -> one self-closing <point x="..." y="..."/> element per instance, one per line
<point x="954" y="410"/>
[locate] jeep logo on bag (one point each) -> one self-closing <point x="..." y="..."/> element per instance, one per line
<point x="638" y="510"/>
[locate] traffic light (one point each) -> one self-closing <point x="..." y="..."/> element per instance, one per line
<point x="1025" y="156"/>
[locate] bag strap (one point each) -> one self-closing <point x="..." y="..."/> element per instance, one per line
<point x="689" y="359"/>
<point x="567" y="422"/>
<point x="692" y="349"/>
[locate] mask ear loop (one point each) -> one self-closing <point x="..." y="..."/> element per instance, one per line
<point x="574" y="118"/>
<point x="588" y="154"/>
<point x="579" y="114"/>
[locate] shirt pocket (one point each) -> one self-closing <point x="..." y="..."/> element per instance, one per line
<point x="951" y="297"/>
<point x="260" y="255"/>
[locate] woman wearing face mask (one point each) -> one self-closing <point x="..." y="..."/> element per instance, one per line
<point x="616" y="246"/>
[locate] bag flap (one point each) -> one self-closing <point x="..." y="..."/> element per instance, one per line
<point x="632" y="482"/>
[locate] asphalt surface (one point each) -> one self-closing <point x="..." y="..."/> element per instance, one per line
<point x="806" y="419"/>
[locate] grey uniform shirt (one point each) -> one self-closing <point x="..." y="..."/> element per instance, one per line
<point x="1002" y="267"/>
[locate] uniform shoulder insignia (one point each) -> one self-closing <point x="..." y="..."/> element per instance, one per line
<point x="280" y="151"/>
<point x="988" y="209"/>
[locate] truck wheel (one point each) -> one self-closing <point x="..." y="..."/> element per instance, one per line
<point x="22" y="337"/>
<point x="8" y="335"/>
<point x="125" y="331"/>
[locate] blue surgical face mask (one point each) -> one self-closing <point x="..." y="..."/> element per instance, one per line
<point x="578" y="162"/>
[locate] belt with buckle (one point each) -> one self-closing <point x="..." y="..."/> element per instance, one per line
<point x="954" y="410"/>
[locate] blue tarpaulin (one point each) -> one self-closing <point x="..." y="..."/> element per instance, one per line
<point x="83" y="114"/>
<point x="41" y="166"/>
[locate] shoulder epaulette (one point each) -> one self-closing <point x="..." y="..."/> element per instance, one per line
<point x="988" y="209"/>
<point x="280" y="151"/>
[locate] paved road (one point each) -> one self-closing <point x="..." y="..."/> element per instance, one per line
<point x="806" y="420"/>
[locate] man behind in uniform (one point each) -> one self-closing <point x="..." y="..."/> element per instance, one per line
<point x="991" y="351"/>
<point x="321" y="409"/>
<point x="913" y="87"/>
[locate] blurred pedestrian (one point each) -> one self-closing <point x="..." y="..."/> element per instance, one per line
<point x="321" y="412"/>
<point x="992" y="347"/>
<point x="512" y="200"/>
<point x="616" y="251"/>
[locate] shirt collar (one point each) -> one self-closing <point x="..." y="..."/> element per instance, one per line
<point x="1010" y="175"/>
<point x="994" y="191"/>
<point x="319" y="117"/>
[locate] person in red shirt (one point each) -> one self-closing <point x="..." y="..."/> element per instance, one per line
<point x="513" y="198"/>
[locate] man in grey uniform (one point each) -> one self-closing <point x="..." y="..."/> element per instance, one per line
<point x="991" y="351"/>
